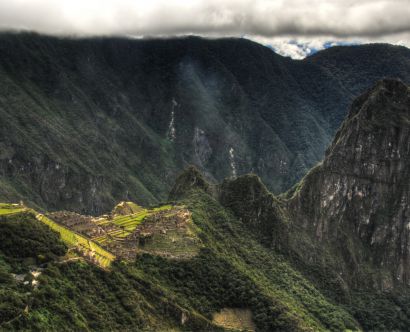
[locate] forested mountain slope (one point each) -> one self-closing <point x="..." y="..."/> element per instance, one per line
<point x="86" y="123"/>
<point x="346" y="224"/>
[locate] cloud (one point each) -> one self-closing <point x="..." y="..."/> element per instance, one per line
<point x="293" y="26"/>
<point x="300" y="47"/>
<point x="268" y="18"/>
<point x="296" y="48"/>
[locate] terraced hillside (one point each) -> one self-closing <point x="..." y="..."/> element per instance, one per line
<point x="91" y="250"/>
<point x="81" y="244"/>
<point x="43" y="287"/>
<point x="130" y="229"/>
<point x="8" y="209"/>
<point x="194" y="264"/>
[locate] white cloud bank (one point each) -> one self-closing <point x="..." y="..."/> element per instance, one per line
<point x="273" y="22"/>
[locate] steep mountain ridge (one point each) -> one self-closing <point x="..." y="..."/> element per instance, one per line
<point x="351" y="211"/>
<point x="90" y="122"/>
<point x="345" y="225"/>
<point x="357" y="201"/>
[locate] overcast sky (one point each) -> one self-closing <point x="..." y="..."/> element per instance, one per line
<point x="292" y="27"/>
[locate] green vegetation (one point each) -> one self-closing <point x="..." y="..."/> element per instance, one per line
<point x="258" y="209"/>
<point x="231" y="270"/>
<point x="7" y="208"/>
<point x="130" y="222"/>
<point x="233" y="245"/>
<point x="104" y="107"/>
<point x="181" y="242"/>
<point x="93" y="250"/>
<point x="86" y="120"/>
<point x="75" y="295"/>
<point x="24" y="241"/>
<point x="162" y="208"/>
<point x="72" y="295"/>
<point x="69" y="237"/>
<point x="127" y="223"/>
<point x="236" y="271"/>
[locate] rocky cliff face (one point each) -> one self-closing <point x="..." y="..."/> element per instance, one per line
<point x="350" y="215"/>
<point x="356" y="204"/>
<point x="45" y="182"/>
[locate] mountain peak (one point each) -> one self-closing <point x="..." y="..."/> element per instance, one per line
<point x="374" y="125"/>
<point x="257" y="208"/>
<point x="391" y="84"/>
<point x="362" y="187"/>
<point x="390" y="89"/>
<point x="189" y="179"/>
<point x="384" y="97"/>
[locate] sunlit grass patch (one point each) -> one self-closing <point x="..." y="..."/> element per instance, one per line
<point x="8" y="208"/>
<point x="237" y="319"/>
<point x="100" y="255"/>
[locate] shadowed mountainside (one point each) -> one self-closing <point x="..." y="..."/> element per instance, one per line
<point x="352" y="210"/>
<point x="356" y="204"/>
<point x="346" y="224"/>
<point x="89" y="122"/>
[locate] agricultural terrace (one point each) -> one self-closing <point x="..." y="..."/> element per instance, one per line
<point x="8" y="208"/>
<point x="125" y="224"/>
<point x="88" y="248"/>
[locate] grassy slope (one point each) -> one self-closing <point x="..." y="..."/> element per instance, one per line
<point x="7" y="209"/>
<point x="73" y="239"/>
<point x="76" y="295"/>
<point x="233" y="270"/>
<point x="259" y="210"/>
<point x="127" y="222"/>
<point x="236" y="271"/>
<point x="69" y="237"/>
<point x="375" y="309"/>
<point x="102" y="257"/>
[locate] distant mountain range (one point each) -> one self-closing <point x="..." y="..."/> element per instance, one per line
<point x="89" y="122"/>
